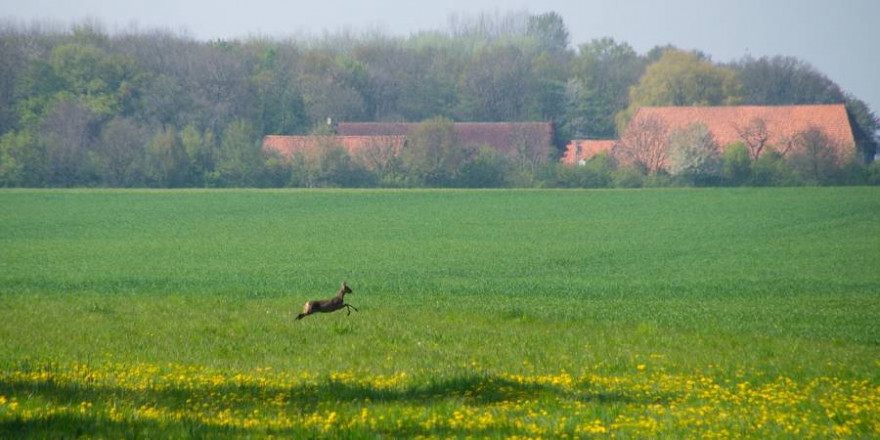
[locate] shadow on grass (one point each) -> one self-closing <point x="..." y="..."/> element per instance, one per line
<point x="474" y="390"/>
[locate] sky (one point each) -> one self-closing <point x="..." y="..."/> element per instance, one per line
<point x="839" y="38"/>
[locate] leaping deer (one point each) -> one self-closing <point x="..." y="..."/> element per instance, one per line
<point x="328" y="305"/>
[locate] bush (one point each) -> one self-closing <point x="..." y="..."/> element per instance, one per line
<point x="770" y="170"/>
<point x="873" y="173"/>
<point x="628" y="177"/>
<point x="693" y="155"/>
<point x="487" y="169"/>
<point x="596" y="173"/>
<point x="736" y="165"/>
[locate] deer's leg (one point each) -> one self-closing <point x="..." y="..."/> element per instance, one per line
<point x="348" y="307"/>
<point x="307" y="310"/>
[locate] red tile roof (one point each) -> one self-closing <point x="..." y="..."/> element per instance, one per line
<point x="503" y="136"/>
<point x="582" y="150"/>
<point x="782" y="122"/>
<point x="287" y="146"/>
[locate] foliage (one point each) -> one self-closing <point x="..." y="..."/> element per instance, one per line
<point x="239" y="158"/>
<point x="433" y="155"/>
<point x="328" y="164"/>
<point x="83" y="107"/>
<point x="122" y="157"/>
<point x="595" y="173"/>
<point x="21" y="160"/>
<point x="736" y="165"/>
<point x="602" y="75"/>
<point x="628" y="177"/>
<point x="644" y="145"/>
<point x="694" y="155"/>
<point x="770" y="170"/>
<point x="815" y="157"/>
<point x="785" y="80"/>
<point x="486" y="169"/>
<point x="681" y="78"/>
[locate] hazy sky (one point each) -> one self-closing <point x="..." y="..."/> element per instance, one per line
<point x="840" y="38"/>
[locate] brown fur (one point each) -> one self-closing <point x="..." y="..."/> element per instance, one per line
<point x="328" y="305"/>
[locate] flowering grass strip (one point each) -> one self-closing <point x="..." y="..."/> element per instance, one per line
<point x="120" y="399"/>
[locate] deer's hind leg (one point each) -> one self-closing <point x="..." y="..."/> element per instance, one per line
<point x="307" y="310"/>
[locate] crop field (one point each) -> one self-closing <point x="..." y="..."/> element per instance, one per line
<point x="670" y="313"/>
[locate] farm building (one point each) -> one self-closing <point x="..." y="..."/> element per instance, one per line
<point x="365" y="138"/>
<point x="578" y="152"/>
<point x="506" y="137"/>
<point x="373" y="152"/>
<point x="777" y="126"/>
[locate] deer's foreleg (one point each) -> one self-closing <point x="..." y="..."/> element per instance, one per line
<point x="349" y="307"/>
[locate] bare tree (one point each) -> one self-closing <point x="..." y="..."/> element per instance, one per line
<point x="381" y="155"/>
<point x="121" y="151"/>
<point x="67" y="133"/>
<point x="755" y="136"/>
<point x="814" y="156"/>
<point x="532" y="147"/>
<point x="644" y="143"/>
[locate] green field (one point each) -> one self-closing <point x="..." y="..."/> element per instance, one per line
<point x="716" y="313"/>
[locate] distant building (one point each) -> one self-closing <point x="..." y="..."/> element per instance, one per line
<point x="288" y="146"/>
<point x="505" y="137"/>
<point x="579" y="152"/>
<point x="373" y="152"/>
<point x="381" y="141"/>
<point x="782" y="123"/>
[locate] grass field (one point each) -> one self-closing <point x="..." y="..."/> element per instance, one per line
<point x="716" y="313"/>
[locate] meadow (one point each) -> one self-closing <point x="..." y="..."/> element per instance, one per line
<point x="668" y="313"/>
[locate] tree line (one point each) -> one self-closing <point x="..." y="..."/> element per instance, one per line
<point x="82" y="107"/>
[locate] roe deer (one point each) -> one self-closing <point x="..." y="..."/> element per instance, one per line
<point x="328" y="305"/>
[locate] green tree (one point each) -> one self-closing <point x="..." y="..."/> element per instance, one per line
<point x="736" y="165"/>
<point x="329" y="87"/>
<point x="105" y="84"/>
<point x="166" y="160"/>
<point x="602" y="74"/>
<point x="815" y="159"/>
<point x="239" y="160"/>
<point x="487" y="169"/>
<point x="121" y="153"/>
<point x="770" y="170"/>
<point x="22" y="160"/>
<point x="281" y="107"/>
<point x="67" y="132"/>
<point x="429" y="82"/>
<point x="681" y="78"/>
<point x="199" y="150"/>
<point x="549" y="30"/>
<point x="496" y="85"/>
<point x="327" y="164"/>
<point x="433" y="156"/>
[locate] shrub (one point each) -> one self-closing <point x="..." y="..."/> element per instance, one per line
<point x="736" y="165"/>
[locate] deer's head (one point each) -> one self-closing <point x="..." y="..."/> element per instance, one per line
<point x="345" y="288"/>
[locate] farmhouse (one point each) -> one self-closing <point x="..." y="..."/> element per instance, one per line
<point x="757" y="127"/>
<point x="578" y="152"/>
<point x="506" y="137"/>
<point x="777" y="126"/>
<point x="387" y="139"/>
